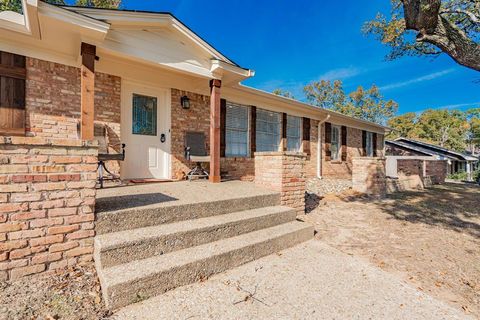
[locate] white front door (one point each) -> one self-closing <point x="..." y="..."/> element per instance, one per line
<point x="145" y="129"/>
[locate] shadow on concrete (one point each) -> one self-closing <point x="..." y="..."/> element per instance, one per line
<point x="130" y="201"/>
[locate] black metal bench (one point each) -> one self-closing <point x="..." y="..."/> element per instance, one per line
<point x="104" y="154"/>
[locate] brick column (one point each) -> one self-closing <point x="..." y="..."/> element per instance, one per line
<point x="368" y="175"/>
<point x="215" y="130"/>
<point x="283" y="172"/>
<point x="47" y="203"/>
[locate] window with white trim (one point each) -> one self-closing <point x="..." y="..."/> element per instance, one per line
<point x="268" y="130"/>
<point x="236" y="130"/>
<point x="369" y="144"/>
<point x="335" y="146"/>
<point x="294" y="139"/>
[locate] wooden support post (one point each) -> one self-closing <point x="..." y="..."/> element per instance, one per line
<point x="87" y="91"/>
<point x="215" y="130"/>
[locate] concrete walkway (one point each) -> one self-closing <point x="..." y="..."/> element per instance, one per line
<point x="309" y="281"/>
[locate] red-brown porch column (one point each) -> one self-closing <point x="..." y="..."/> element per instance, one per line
<point x="87" y="90"/>
<point x="215" y="130"/>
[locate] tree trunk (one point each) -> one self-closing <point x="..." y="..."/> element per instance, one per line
<point x="424" y="17"/>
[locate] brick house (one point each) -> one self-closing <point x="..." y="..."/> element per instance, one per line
<point x="147" y="80"/>
<point x="132" y="70"/>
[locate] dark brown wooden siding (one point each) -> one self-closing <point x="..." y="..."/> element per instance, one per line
<point x="344" y="143"/>
<point x="364" y="143"/>
<point x="306" y="135"/>
<point x="223" y="122"/>
<point x="12" y="93"/>
<point x="253" y="130"/>
<point x="328" y="141"/>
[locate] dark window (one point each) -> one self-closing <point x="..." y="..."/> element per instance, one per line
<point x="12" y="94"/>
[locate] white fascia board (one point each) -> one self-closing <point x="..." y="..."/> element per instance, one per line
<point x="100" y="28"/>
<point x="199" y="41"/>
<point x="353" y="122"/>
<point x="220" y="67"/>
<point x="119" y="17"/>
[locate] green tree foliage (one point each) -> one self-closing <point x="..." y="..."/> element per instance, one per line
<point x="430" y="27"/>
<point x="452" y="129"/>
<point x="367" y="104"/>
<point x="16" y="5"/>
<point x="108" y="4"/>
<point x="473" y="132"/>
<point x="443" y="127"/>
<point x="283" y="93"/>
<point x="404" y="126"/>
<point x="11" y="5"/>
<point x="326" y="94"/>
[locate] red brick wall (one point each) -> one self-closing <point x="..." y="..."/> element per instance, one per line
<point x="283" y="172"/>
<point x="53" y="102"/>
<point x="53" y="99"/>
<point x="343" y="169"/>
<point x="437" y="170"/>
<point x="47" y="199"/>
<point x="311" y="160"/>
<point x="368" y="175"/>
<point x="197" y="118"/>
<point x="410" y="167"/>
<point x="396" y="151"/>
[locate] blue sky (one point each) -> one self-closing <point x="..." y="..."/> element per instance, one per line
<point x="291" y="43"/>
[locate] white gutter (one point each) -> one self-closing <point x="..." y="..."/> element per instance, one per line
<point x="319" y="148"/>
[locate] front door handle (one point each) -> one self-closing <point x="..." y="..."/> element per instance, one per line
<point x="162" y="138"/>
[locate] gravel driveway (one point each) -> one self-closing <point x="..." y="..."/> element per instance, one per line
<point x="309" y="281"/>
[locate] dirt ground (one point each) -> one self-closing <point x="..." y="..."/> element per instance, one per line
<point x="69" y="294"/>
<point x="430" y="238"/>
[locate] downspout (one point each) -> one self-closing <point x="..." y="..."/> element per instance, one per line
<point x="319" y="148"/>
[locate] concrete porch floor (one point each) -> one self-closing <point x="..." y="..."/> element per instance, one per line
<point x="173" y="194"/>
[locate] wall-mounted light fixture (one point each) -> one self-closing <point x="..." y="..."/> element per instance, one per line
<point x="185" y="102"/>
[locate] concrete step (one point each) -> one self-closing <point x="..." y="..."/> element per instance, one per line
<point x="156" y="214"/>
<point x="125" y="246"/>
<point x="138" y="280"/>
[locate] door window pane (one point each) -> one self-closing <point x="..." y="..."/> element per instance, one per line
<point x="144" y="118"/>
<point x="268" y="130"/>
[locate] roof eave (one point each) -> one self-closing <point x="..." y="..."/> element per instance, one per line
<point x="146" y="18"/>
<point x="310" y="107"/>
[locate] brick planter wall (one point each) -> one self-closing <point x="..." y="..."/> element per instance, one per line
<point x="283" y="172"/>
<point x="47" y="199"/>
<point x="437" y="170"/>
<point x="368" y="175"/>
<point x="410" y="174"/>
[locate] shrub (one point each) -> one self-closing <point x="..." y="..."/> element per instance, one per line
<point x="462" y="175"/>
